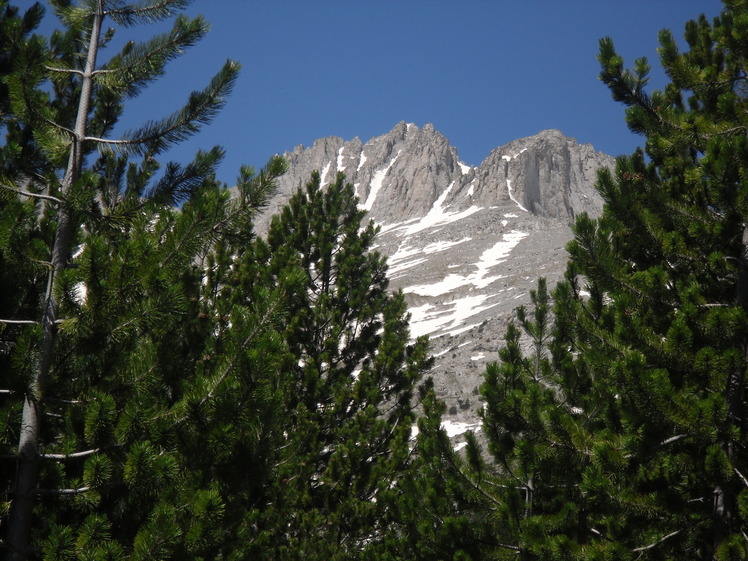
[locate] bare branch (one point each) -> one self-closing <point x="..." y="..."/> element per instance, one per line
<point x="74" y="455"/>
<point x="64" y="70"/>
<point x="32" y="195"/>
<point x="599" y="533"/>
<point x="65" y="401"/>
<point x="658" y="542"/>
<point x="77" y="491"/>
<point x="19" y="321"/>
<point x="119" y="142"/>
<point x="741" y="476"/>
<point x="674" y="439"/>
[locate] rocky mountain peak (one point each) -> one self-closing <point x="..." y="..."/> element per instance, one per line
<point x="465" y="244"/>
<point x="400" y="175"/>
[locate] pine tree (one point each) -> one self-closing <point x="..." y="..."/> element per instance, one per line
<point x="107" y="330"/>
<point x="340" y="432"/>
<point x="513" y="492"/>
<point x="658" y="336"/>
<point x="630" y="420"/>
<point x="654" y="310"/>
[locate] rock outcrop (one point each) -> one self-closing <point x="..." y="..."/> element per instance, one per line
<point x="465" y="244"/>
<point x="399" y="176"/>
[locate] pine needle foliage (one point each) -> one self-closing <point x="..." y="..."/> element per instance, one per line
<point x="665" y="322"/>
<point x="338" y="437"/>
<point x="110" y="334"/>
<point x="619" y="432"/>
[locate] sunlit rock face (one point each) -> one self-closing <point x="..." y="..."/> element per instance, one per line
<point x="465" y="244"/>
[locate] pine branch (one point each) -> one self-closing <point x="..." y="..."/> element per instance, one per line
<point x="142" y="63"/>
<point x="146" y="12"/>
<point x="200" y="109"/>
<point x="232" y="362"/>
<point x="260" y="324"/>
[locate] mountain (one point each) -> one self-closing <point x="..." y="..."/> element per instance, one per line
<point x="465" y="244"/>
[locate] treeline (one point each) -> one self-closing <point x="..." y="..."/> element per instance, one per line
<point x="174" y="386"/>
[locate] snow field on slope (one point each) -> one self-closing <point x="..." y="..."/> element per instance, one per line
<point x="489" y="259"/>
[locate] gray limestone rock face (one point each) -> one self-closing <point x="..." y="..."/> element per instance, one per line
<point x="465" y="244"/>
<point x="547" y="174"/>
<point x="400" y="175"/>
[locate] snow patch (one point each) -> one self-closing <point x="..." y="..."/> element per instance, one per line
<point x="407" y="257"/>
<point x="323" y="175"/>
<point x="361" y="161"/>
<point x="428" y="320"/>
<point x="509" y="190"/>
<point x="463" y="329"/>
<point x="340" y="166"/>
<point x="455" y="428"/>
<point x="438" y="216"/>
<point x="489" y="259"/>
<point x="452" y="429"/>
<point x="442" y="246"/>
<point x="395" y="225"/>
<point x="402" y="260"/>
<point x="510" y="158"/>
<point x="376" y="183"/>
<point x="464" y="168"/>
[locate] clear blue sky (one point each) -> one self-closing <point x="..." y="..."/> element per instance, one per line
<point x="484" y="72"/>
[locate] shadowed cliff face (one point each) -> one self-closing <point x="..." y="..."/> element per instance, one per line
<point x="465" y="244"/>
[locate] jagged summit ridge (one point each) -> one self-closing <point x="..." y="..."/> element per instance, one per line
<point x="400" y="175"/>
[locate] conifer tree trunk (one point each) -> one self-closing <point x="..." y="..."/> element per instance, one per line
<point x="24" y="494"/>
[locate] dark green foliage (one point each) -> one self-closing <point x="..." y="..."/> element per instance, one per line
<point x="106" y="325"/>
<point x="621" y="434"/>
<point x="345" y="389"/>
<point x="174" y="388"/>
<point x="642" y="405"/>
<point x="665" y="323"/>
<point x="520" y="498"/>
